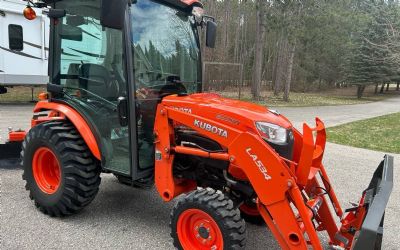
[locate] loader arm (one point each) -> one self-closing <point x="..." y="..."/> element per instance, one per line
<point x="292" y="195"/>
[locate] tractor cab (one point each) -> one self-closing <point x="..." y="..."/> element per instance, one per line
<point x="114" y="63"/>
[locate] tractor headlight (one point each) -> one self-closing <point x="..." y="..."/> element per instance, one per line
<point x="272" y="132"/>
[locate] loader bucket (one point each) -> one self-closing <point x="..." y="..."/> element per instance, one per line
<point x="362" y="225"/>
<point x="376" y="197"/>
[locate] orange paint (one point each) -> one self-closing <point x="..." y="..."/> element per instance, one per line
<point x="188" y="226"/>
<point x="46" y="170"/>
<point x="16" y="136"/>
<point x="278" y="183"/>
<point x="76" y="119"/>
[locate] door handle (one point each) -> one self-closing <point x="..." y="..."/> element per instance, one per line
<point x="122" y="109"/>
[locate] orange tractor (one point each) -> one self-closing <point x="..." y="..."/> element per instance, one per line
<point x="125" y="98"/>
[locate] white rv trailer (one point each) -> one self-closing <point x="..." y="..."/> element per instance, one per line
<point x="23" y="45"/>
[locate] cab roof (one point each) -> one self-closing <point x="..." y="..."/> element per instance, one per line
<point x="182" y="4"/>
<point x="178" y="3"/>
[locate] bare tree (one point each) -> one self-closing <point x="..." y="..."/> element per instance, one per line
<point x="289" y="73"/>
<point x="281" y="63"/>
<point x="259" y="50"/>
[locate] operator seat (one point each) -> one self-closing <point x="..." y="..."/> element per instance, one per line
<point x="73" y="70"/>
<point x="96" y="79"/>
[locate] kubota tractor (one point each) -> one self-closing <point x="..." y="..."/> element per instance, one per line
<point x="125" y="98"/>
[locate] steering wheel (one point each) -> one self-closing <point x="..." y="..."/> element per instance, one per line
<point x="119" y="78"/>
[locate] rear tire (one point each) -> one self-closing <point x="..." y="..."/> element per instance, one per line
<point x="207" y="219"/>
<point x="61" y="174"/>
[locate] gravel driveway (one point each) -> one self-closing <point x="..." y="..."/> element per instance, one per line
<point x="122" y="217"/>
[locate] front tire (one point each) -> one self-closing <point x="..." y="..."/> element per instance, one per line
<point x="207" y="219"/>
<point x="61" y="174"/>
<point x="250" y="213"/>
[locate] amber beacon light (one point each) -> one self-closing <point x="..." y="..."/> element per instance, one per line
<point x="29" y="13"/>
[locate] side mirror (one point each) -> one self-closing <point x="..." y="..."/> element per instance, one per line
<point x="122" y="109"/>
<point x="211" y="34"/>
<point x="112" y="13"/>
<point x="56" y="13"/>
<point x="72" y="33"/>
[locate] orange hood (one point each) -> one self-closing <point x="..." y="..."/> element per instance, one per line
<point x="227" y="111"/>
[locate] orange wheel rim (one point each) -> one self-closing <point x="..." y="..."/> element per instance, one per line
<point x="249" y="210"/>
<point x="46" y="170"/>
<point x="198" y="230"/>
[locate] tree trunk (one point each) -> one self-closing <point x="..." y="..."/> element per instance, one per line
<point x="225" y="34"/>
<point x="274" y="70"/>
<point x="398" y="86"/>
<point x="237" y="38"/>
<point x="387" y="87"/>
<point x="281" y="64"/>
<point x="382" y="88"/>
<point x="205" y="84"/>
<point x="259" y="51"/>
<point x="376" y="89"/>
<point x="360" y="91"/>
<point x="319" y="82"/>
<point x="289" y="73"/>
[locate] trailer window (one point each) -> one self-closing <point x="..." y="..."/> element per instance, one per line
<point x="15" y="37"/>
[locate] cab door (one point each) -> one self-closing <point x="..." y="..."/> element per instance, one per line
<point x="165" y="61"/>
<point x="89" y="61"/>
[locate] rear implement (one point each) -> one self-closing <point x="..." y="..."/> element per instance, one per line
<point x="10" y="151"/>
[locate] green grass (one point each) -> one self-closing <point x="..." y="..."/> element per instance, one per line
<point x="345" y="96"/>
<point x="21" y="94"/>
<point x="380" y="133"/>
<point x="307" y="99"/>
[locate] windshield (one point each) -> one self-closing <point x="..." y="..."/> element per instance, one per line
<point x="165" y="46"/>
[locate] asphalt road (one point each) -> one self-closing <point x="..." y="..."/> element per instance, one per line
<point x="125" y="218"/>
<point x="336" y="115"/>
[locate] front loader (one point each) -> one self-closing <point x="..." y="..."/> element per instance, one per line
<point x="125" y="98"/>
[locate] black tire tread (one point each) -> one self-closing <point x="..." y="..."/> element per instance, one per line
<point x="81" y="171"/>
<point x="221" y="208"/>
<point x="253" y="219"/>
